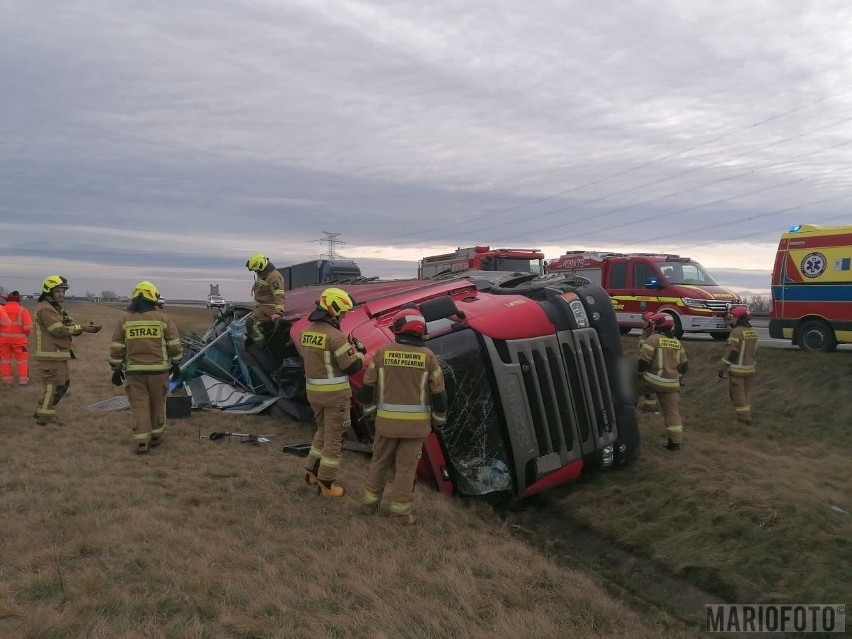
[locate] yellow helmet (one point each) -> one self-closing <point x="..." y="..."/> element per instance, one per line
<point x="336" y="301"/>
<point x="53" y="281"/>
<point x="257" y="262"/>
<point x="147" y="290"/>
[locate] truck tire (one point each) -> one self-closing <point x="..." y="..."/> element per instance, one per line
<point x="816" y="336"/>
<point x="721" y="336"/>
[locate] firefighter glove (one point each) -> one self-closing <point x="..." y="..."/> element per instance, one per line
<point x="175" y="372"/>
<point x="92" y="328"/>
<point x="721" y="374"/>
<point x="118" y="377"/>
<point x="359" y="346"/>
<point x="438" y="420"/>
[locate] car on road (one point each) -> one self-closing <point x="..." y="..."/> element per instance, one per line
<point x="216" y="301"/>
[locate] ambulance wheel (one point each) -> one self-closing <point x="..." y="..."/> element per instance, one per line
<point x="816" y="336"/>
<point x="677" y="331"/>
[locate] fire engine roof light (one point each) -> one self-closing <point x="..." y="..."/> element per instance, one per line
<point x="795" y="228"/>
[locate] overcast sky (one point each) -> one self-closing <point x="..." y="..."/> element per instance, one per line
<point x="171" y="140"/>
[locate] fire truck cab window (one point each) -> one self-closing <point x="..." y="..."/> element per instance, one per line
<point x="618" y="275"/>
<point x="642" y="273"/>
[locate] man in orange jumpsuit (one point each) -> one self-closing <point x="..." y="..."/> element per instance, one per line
<point x="13" y="341"/>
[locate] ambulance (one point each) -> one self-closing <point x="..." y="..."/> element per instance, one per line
<point x="655" y="282"/>
<point x="812" y="287"/>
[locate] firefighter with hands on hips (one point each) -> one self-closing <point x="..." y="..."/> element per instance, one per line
<point x="145" y="350"/>
<point x="404" y="392"/>
<point x="268" y="292"/>
<point x="739" y="362"/>
<point x="647" y="401"/>
<point x="662" y="363"/>
<point x="329" y="359"/>
<point x="54" y="330"/>
<point x="13" y="340"/>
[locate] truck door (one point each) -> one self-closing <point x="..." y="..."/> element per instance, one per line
<point x="615" y="283"/>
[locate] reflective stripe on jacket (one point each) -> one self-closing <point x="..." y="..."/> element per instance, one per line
<point x="146" y="342"/>
<point x="326" y="352"/>
<point x="54" y="329"/>
<point x="666" y="357"/>
<point x="740" y="357"/>
<point x="20" y="324"/>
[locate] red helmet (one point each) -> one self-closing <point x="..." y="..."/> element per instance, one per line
<point x="647" y="315"/>
<point x="408" y="321"/>
<point x="662" y="320"/>
<point x="740" y="314"/>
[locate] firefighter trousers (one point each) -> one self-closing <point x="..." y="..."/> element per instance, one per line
<point x="404" y="454"/>
<point x="670" y="407"/>
<point x="147" y="396"/>
<point x="17" y="355"/>
<point x="327" y="446"/>
<point x="740" y="392"/>
<point x="55" y="380"/>
<point x="257" y="323"/>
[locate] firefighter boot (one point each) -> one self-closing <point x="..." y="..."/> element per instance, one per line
<point x="141" y="448"/>
<point x="672" y="446"/>
<point x="405" y="520"/>
<point x="329" y="489"/>
<point x="311" y="474"/>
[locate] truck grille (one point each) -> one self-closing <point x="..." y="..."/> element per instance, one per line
<point x="715" y="305"/>
<point x="556" y="399"/>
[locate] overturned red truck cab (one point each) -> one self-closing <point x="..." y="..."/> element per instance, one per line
<point x="535" y="376"/>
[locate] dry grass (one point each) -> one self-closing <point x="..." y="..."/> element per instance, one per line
<point x="743" y="512"/>
<point x="205" y="540"/>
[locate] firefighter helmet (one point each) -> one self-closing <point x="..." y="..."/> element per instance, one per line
<point x="739" y="314"/>
<point x="336" y="301"/>
<point x="646" y="316"/>
<point x="147" y="290"/>
<point x="257" y="262"/>
<point x="408" y="321"/>
<point x="53" y="281"/>
<point x="662" y="320"/>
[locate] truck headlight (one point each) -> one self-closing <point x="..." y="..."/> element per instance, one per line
<point x="579" y="312"/>
<point x="694" y="303"/>
<point x="607" y="455"/>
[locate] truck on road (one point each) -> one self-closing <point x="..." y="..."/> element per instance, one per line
<point x="482" y="258"/>
<point x="319" y="272"/>
<point x="655" y="282"/>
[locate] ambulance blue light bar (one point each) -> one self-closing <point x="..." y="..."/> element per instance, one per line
<point x="795" y="228"/>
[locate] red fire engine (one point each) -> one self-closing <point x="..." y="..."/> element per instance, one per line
<point x="657" y="282"/>
<point x="482" y="258"/>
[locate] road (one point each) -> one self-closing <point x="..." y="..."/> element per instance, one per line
<point x="761" y="325"/>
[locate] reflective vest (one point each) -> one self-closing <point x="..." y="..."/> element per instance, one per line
<point x="20" y="324"/>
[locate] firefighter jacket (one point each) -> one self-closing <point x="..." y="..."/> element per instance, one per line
<point x="54" y="329"/>
<point x="329" y="360"/>
<point x="662" y="361"/>
<point x="268" y="289"/>
<point x="4" y="318"/>
<point x="19" y="326"/>
<point x="647" y="331"/>
<point x="146" y="342"/>
<point x="406" y="378"/>
<point x="741" y="352"/>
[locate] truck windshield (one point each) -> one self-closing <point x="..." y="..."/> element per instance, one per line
<point x="691" y="273"/>
<point x="517" y="265"/>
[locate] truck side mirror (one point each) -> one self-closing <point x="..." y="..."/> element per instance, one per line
<point x="653" y="282"/>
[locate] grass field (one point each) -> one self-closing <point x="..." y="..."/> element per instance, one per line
<point x="207" y="539"/>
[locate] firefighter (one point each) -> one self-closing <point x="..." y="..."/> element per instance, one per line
<point x="145" y="349"/>
<point x="662" y="363"/>
<point x="404" y="392"/>
<point x="647" y="401"/>
<point x="329" y="359"/>
<point x="739" y="361"/>
<point x="268" y="293"/>
<point x="54" y="330"/>
<point x="13" y="340"/>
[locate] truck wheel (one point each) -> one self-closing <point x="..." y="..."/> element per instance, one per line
<point x="677" y="331"/>
<point x="816" y="336"/>
<point x="721" y="336"/>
